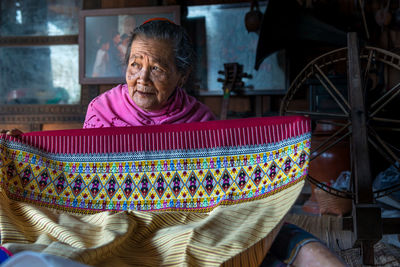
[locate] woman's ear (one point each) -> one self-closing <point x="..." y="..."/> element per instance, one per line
<point x="182" y="80"/>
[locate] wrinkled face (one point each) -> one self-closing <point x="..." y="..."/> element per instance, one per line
<point x="151" y="74"/>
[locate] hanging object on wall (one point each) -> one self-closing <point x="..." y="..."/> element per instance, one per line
<point x="253" y="18"/>
<point x="383" y="17"/>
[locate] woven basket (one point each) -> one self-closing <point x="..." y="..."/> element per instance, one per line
<point x="331" y="204"/>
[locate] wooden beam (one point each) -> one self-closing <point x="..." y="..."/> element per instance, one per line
<point x="366" y="214"/>
<point x="361" y="161"/>
<point x="38" y="40"/>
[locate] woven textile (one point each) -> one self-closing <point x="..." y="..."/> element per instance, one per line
<point x="190" y="194"/>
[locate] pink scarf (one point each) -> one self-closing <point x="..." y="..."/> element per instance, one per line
<point x="115" y="108"/>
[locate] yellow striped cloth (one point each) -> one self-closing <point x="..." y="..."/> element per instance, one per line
<point x="237" y="235"/>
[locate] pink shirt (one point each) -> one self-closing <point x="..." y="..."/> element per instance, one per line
<point x="115" y="108"/>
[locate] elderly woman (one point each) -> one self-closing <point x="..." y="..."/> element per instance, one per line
<point x="159" y="61"/>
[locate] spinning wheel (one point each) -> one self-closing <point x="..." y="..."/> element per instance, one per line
<point x="367" y="113"/>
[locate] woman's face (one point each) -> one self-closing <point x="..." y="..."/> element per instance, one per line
<point x="151" y="74"/>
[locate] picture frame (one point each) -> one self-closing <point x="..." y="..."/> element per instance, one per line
<point x="101" y="50"/>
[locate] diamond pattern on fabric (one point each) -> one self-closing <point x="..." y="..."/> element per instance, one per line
<point x="26" y="176"/>
<point x="77" y="185"/>
<point x="95" y="186"/>
<point x="199" y="175"/>
<point x="60" y="183"/>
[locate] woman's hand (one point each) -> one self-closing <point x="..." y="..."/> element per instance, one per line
<point x="13" y="132"/>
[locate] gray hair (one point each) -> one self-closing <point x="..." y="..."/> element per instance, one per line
<point x="165" y="30"/>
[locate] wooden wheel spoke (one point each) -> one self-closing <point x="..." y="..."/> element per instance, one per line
<point x="331" y="94"/>
<point x="328" y="140"/>
<point x="317" y="115"/>
<point x="386" y="120"/>
<point x="333" y="87"/>
<point x="366" y="72"/>
<point x="383" y="148"/>
<point x="376" y="110"/>
<point x="335" y="123"/>
<point x="330" y="145"/>
<point x="385" y="125"/>
<point x="381" y="151"/>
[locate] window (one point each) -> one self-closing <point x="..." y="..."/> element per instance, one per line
<point x="39" y="52"/>
<point x="221" y="37"/>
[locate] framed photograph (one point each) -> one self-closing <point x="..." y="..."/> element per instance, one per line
<point x="103" y="40"/>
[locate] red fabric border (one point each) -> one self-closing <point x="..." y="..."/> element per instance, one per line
<point x="198" y="135"/>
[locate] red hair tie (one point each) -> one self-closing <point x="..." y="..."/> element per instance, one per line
<point x="161" y="19"/>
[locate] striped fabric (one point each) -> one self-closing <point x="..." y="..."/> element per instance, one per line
<point x="198" y="194"/>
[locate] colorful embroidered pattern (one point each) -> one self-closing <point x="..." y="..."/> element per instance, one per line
<point x="189" y="167"/>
